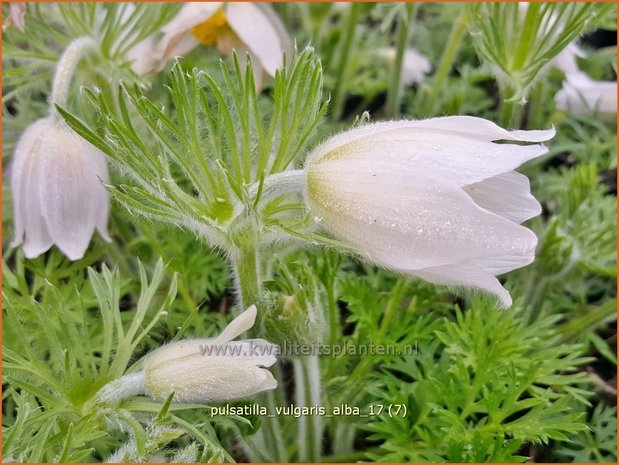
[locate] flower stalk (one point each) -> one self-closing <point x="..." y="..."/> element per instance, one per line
<point x="65" y="70"/>
<point x="349" y="35"/>
<point x="394" y="95"/>
<point x="449" y="54"/>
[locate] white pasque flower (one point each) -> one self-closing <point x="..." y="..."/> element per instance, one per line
<point x="437" y="199"/>
<point x="212" y="370"/>
<point x="57" y="194"/>
<point x="242" y="26"/>
<point x="415" y="66"/>
<point x="582" y="95"/>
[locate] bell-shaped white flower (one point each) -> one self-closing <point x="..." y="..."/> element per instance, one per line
<point x="415" y="66"/>
<point x="437" y="199"/>
<point x="243" y="26"/>
<point x="582" y="95"/>
<point x="57" y="193"/>
<point x="212" y="370"/>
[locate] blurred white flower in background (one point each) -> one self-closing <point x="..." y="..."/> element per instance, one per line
<point x="582" y="95"/>
<point x="244" y="27"/>
<point x="437" y="199"/>
<point x="566" y="59"/>
<point x="415" y="66"/>
<point x="17" y="16"/>
<point x="57" y="194"/>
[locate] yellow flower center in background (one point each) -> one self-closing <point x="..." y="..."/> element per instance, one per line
<point x="210" y="30"/>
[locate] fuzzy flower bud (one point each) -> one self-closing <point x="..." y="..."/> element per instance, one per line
<point x="212" y="370"/>
<point x="57" y="194"/>
<point x="203" y="370"/>
<point x="437" y="199"/>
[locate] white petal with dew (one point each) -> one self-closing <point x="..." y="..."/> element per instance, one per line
<point x="466" y="275"/>
<point x="507" y="194"/>
<point x="454" y="155"/>
<point x="402" y="217"/>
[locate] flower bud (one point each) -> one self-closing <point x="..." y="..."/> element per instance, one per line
<point x="293" y="318"/>
<point x="212" y="370"/>
<point x="57" y="194"/>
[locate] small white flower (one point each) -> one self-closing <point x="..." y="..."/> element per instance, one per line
<point x="582" y="95"/>
<point x="437" y="198"/>
<point x="415" y="66"/>
<point x="57" y="194"/>
<point x="228" y="26"/>
<point x="212" y="370"/>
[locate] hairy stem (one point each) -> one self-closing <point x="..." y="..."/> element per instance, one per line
<point x="65" y="69"/>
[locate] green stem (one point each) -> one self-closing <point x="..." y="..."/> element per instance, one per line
<point x="334" y="316"/>
<point x="392" y="306"/>
<point x="275" y="431"/>
<point x="536" y="105"/>
<point x="340" y="86"/>
<point x="446" y="63"/>
<point x="394" y="95"/>
<point x="308" y="394"/>
<point x="508" y="106"/>
<point x="247" y="269"/>
<point x="247" y="275"/>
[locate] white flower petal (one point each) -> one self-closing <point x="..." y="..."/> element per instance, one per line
<point x="209" y="380"/>
<point x="566" y="59"/>
<point x="584" y="96"/>
<point x="405" y="218"/>
<point x="26" y="179"/>
<point x="239" y="325"/>
<point x="415" y="66"/>
<point x="177" y="39"/>
<point x="448" y="146"/>
<point x="71" y="190"/>
<point x="257" y="31"/>
<point x="507" y="194"/>
<point x="38" y="239"/>
<point x="190" y="15"/>
<point x="143" y="56"/>
<point x="466" y="275"/>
